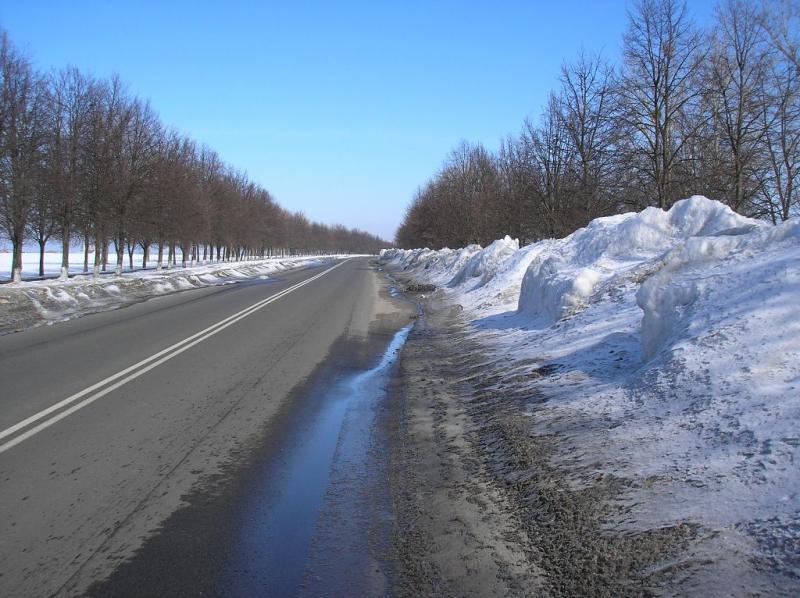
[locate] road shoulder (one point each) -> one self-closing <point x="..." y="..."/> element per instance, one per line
<point x="482" y="509"/>
<point x="458" y="532"/>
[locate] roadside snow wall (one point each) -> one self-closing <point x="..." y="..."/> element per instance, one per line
<point x="554" y="279"/>
<point x="609" y="250"/>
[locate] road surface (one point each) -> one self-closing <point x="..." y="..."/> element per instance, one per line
<point x="109" y="422"/>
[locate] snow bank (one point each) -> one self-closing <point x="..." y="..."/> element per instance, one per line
<point x="484" y="264"/>
<point x="33" y="303"/>
<point x="564" y="279"/>
<point x="671" y="342"/>
<point x="757" y="268"/>
<point x="468" y="270"/>
<point x="555" y="278"/>
<point x="438" y="267"/>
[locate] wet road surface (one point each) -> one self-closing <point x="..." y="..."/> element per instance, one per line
<point x="247" y="462"/>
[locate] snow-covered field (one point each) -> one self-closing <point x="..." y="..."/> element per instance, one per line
<point x="669" y="344"/>
<point x="52" y="263"/>
<point x="32" y="303"/>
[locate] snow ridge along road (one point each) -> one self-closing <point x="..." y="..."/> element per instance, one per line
<point x="113" y="382"/>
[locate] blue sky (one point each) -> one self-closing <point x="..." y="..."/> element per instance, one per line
<point x="340" y="109"/>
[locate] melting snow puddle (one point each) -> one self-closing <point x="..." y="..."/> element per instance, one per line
<point x="319" y="517"/>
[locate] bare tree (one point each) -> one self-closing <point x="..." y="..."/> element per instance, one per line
<point x="21" y="142"/>
<point x="736" y="71"/>
<point x="782" y="124"/>
<point x="588" y="106"/>
<point x="685" y="116"/>
<point x="551" y="147"/>
<point x="42" y="221"/>
<point x="138" y="153"/>
<point x="517" y="170"/>
<point x="472" y="202"/>
<point x="83" y="156"/>
<point x="103" y="150"/>
<point x="72" y="98"/>
<point x="780" y="20"/>
<point x="659" y="84"/>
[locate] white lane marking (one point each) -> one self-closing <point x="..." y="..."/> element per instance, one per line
<point x="156" y="359"/>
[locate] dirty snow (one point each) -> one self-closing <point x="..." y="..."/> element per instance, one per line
<point x="666" y="351"/>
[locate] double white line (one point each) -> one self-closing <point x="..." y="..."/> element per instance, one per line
<point x="137" y="369"/>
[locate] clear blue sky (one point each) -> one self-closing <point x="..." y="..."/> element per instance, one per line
<point x="340" y="109"/>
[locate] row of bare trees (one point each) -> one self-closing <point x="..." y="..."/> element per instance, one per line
<point x="687" y="112"/>
<point x="84" y="161"/>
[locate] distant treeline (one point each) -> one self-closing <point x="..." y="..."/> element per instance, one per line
<point x="82" y="159"/>
<point x="687" y="112"/>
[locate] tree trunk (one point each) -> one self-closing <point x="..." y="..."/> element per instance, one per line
<point x="160" y="256"/>
<point x="131" y="247"/>
<point x="86" y="253"/>
<point x="42" y="243"/>
<point x="119" y="245"/>
<point x="98" y="254"/>
<point x="105" y="254"/>
<point x="65" y="240"/>
<point x="16" y="259"/>
<point x="788" y="203"/>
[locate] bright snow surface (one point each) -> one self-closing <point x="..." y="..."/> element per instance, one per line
<point x="672" y="341"/>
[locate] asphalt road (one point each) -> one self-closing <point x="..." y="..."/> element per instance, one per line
<point x="107" y="421"/>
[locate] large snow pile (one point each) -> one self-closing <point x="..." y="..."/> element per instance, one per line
<point x="752" y="274"/>
<point x="33" y="303"/>
<point x="438" y="267"/>
<point x="483" y="265"/>
<point x="597" y="257"/>
<point x="671" y="342"/>
<point x="474" y="272"/>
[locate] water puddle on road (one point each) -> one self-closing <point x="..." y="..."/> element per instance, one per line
<point x="318" y="518"/>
